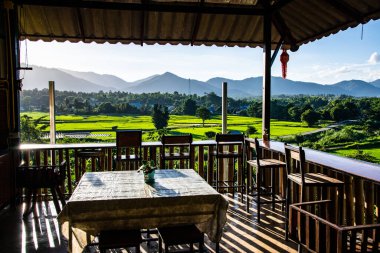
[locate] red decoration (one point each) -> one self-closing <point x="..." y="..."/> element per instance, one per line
<point x="284" y="58"/>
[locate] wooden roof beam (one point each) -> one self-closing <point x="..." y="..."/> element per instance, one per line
<point x="143" y="17"/>
<point x="225" y="9"/>
<point x="80" y="23"/>
<point x="280" y="4"/>
<point x="283" y="29"/>
<point x="127" y="40"/>
<point x="275" y="53"/>
<point x="196" y="24"/>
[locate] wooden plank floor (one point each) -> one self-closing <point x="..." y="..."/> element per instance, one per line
<point x="242" y="233"/>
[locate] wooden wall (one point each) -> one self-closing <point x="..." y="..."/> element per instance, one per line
<point x="5" y="179"/>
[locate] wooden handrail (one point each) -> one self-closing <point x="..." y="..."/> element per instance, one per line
<point x="357" y="168"/>
<point x="306" y="228"/>
<point x="362" y="180"/>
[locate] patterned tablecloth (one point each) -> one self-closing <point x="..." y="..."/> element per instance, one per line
<point x="121" y="200"/>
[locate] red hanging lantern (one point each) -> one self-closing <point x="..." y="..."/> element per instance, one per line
<point x="284" y="58"/>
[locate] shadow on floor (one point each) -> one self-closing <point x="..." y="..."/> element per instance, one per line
<point x="40" y="231"/>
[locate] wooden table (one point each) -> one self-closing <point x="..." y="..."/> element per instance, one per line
<point x="121" y="200"/>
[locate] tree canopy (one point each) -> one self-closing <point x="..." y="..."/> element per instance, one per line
<point x="160" y="116"/>
<point x="204" y="114"/>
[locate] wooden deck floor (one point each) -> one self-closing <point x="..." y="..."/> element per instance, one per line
<point x="242" y="233"/>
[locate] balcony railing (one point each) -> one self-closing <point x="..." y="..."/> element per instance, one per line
<point x="362" y="180"/>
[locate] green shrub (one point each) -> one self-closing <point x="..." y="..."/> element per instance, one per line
<point x="250" y="130"/>
<point x="210" y="134"/>
<point x="347" y="134"/>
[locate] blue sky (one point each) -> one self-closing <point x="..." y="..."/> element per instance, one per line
<point x="343" y="56"/>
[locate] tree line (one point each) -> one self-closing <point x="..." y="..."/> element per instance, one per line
<point x="309" y="109"/>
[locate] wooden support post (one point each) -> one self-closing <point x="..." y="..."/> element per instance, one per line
<point x="52" y="111"/>
<point x="192" y="157"/>
<point x="210" y="165"/>
<point x="68" y="174"/>
<point x="267" y="75"/>
<point x="200" y="161"/>
<point x="110" y="159"/>
<point x="224" y="107"/>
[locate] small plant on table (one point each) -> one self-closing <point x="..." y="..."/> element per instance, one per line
<point x="148" y="168"/>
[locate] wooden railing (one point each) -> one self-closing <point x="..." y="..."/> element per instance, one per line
<point x="311" y="226"/>
<point x="362" y="180"/>
<point x="51" y="154"/>
<point x="361" y="190"/>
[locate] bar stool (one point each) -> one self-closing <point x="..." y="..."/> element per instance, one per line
<point x="230" y="146"/>
<point x="97" y="156"/>
<point x="296" y="156"/>
<point x="113" y="239"/>
<point x="262" y="166"/>
<point x="187" y="234"/>
<point x="177" y="148"/>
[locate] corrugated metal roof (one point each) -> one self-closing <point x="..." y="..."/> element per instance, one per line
<point x="208" y="22"/>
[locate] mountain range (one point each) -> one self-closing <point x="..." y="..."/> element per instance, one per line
<point x="169" y="82"/>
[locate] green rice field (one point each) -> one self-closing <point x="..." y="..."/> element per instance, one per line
<point x="177" y="123"/>
<point x="369" y="147"/>
<point x="104" y="124"/>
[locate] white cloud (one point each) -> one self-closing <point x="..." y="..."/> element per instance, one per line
<point x="333" y="73"/>
<point x="374" y="58"/>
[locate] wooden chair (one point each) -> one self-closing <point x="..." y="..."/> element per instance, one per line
<point x="187" y="234"/>
<point x="311" y="227"/>
<point x="298" y="175"/>
<point x="113" y="239"/>
<point x="263" y="167"/>
<point x="177" y="148"/>
<point x="97" y="157"/>
<point x="230" y="146"/>
<point x="32" y="178"/>
<point x="128" y="149"/>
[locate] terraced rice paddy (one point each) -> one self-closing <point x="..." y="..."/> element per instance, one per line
<point x="106" y="125"/>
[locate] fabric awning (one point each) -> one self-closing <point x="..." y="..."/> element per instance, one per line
<point x="203" y="22"/>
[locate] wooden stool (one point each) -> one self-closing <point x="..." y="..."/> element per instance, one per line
<point x="187" y="234"/>
<point x="296" y="156"/>
<point x="230" y="146"/>
<point x="113" y="239"/>
<point x="262" y="166"/>
<point x="96" y="155"/>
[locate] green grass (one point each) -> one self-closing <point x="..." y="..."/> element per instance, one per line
<point x="371" y="147"/>
<point x="177" y="124"/>
<point x="191" y="124"/>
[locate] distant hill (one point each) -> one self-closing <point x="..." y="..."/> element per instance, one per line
<point x="39" y="78"/>
<point x="358" y="88"/>
<point x="280" y="86"/>
<point x="169" y="82"/>
<point x="110" y="81"/>
<point x="376" y="83"/>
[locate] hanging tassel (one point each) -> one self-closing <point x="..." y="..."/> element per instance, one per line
<point x="284" y="58"/>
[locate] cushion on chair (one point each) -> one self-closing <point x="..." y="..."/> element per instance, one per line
<point x="180" y="234"/>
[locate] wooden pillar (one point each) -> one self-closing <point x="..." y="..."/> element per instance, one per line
<point x="9" y="91"/>
<point x="224" y="107"/>
<point x="267" y="75"/>
<point x="52" y="111"/>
